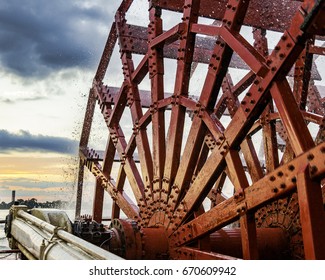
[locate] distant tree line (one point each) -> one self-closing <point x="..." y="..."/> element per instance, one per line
<point x="33" y="203"/>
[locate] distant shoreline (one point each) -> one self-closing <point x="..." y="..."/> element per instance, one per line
<point x="33" y="203"/>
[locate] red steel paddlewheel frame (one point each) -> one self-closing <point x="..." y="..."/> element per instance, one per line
<point x="178" y="208"/>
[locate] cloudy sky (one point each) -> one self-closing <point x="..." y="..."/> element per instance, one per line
<point x="49" y="52"/>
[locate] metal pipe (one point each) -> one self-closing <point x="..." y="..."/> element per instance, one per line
<point x="25" y="252"/>
<point x="47" y="230"/>
<point x="272" y="243"/>
<point x="41" y="245"/>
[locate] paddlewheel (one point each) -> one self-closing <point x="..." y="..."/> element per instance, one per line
<point x="215" y="146"/>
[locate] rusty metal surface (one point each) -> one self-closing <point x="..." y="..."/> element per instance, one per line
<point x="189" y="166"/>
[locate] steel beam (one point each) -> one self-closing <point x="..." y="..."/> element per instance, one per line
<point x="276" y="184"/>
<point x="273" y="15"/>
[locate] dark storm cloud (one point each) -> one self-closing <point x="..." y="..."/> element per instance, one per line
<point x="25" y="141"/>
<point x="38" y="36"/>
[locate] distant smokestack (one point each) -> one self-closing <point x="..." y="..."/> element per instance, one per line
<point x="13" y="196"/>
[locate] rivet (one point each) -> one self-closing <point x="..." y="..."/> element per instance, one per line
<point x="310" y="157"/>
